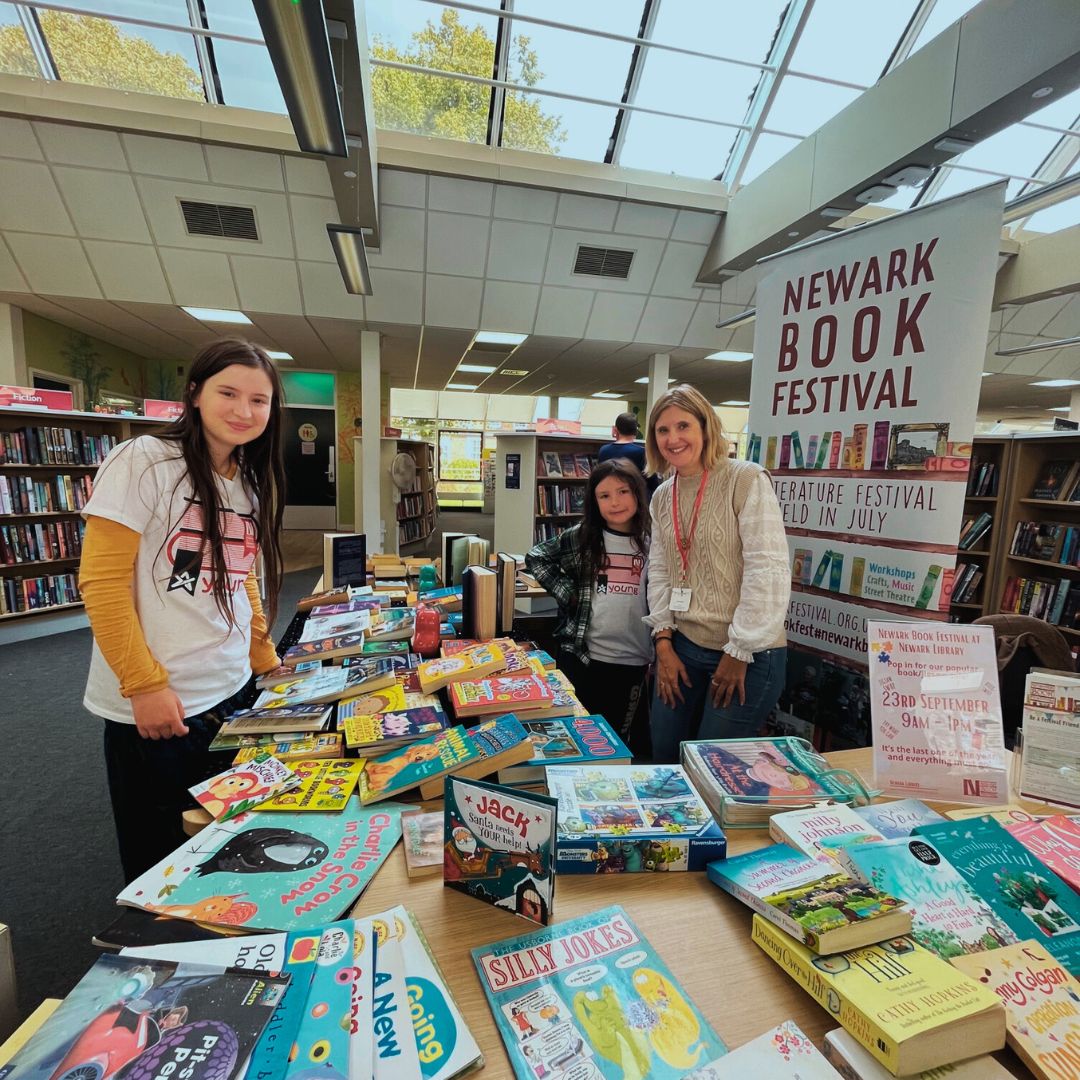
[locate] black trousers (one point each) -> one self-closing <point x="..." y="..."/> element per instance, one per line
<point x="149" y="781"/>
<point x="617" y="693"/>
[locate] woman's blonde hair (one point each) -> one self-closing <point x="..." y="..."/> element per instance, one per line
<point x="714" y="448"/>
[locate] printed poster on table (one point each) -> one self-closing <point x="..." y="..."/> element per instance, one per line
<point x="936" y="709"/>
<point x="868" y="358"/>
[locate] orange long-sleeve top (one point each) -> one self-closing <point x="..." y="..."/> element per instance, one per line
<point x="105" y="578"/>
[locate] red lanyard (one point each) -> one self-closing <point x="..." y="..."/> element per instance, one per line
<point x="680" y="543"/>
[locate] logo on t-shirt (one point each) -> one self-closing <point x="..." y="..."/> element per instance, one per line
<point x="184" y="551"/>
<point x="620" y="575"/>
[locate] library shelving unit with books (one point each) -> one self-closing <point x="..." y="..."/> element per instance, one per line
<point x="973" y="592"/>
<point x="1039" y="549"/>
<point x="540" y="485"/>
<point x="408" y="517"/>
<point x="47" y="463"/>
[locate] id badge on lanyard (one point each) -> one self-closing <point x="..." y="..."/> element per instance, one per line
<point x="680" y="596"/>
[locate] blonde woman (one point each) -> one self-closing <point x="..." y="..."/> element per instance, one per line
<point x="719" y="581"/>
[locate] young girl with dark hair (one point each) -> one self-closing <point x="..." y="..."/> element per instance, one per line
<point x="595" y="572"/>
<point x="174" y="529"/>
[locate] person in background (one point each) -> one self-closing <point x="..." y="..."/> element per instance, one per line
<point x="595" y="572"/>
<point x="719" y="581"/>
<point x="625" y="434"/>
<point x="174" y="529"/>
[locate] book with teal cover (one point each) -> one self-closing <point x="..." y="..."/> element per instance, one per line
<point x="1024" y="893"/>
<point x="281" y="872"/>
<point x="591" y="998"/>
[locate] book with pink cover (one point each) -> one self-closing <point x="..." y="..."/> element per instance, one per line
<point x="1054" y="841"/>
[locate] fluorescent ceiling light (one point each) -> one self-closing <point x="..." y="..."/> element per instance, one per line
<point x="348" y="244"/>
<point x="645" y="379"/>
<point x="1059" y="408"/>
<point x="734" y="402"/>
<point x="1040" y="346"/>
<point x="606" y="394"/>
<point x="493" y="337"/>
<point x="730" y="356"/>
<point x="514" y="371"/>
<point x="276" y="354"/>
<point x="1057" y="382"/>
<point x="480" y="369"/>
<point x="741" y="319"/>
<point x="209" y="314"/>
<point x="460" y="386"/>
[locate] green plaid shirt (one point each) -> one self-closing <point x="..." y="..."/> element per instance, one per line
<point x="558" y="566"/>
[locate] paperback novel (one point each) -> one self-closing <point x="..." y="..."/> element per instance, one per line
<point x="822" y="831"/>
<point x="1054" y="841"/>
<point x="387" y="730"/>
<point x="897" y="818"/>
<point x="575" y="740"/>
<point x="784" y="1052"/>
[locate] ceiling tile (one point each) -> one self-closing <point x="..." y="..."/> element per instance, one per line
<point x="563" y="312"/>
<point x="678" y="269"/>
<point x="665" y="321"/>
<point x="1030" y="318"/>
<point x="509" y="306"/>
<point x="324" y="292"/>
<point x="177" y="158"/>
<point x="103" y="205"/>
<point x="525" y="204"/>
<point x="459" y="196"/>
<point x="128" y="271"/>
<point x="396" y="296"/>
<point x="456" y="244"/>
<point x="70" y="145"/>
<point x="17" y="139"/>
<point x="310" y="216"/>
<point x="1027" y="364"/>
<point x="295" y="335"/>
<point x="401" y="238"/>
<point x="199" y="278"/>
<point x="564" y="245"/>
<point x="453" y="301"/>
<point x="695" y="225"/>
<point x="518" y="251"/>
<point x="1067" y="322"/>
<point x="615" y="317"/>
<point x="398" y="188"/>
<point x="53" y="264"/>
<point x="307" y="176"/>
<point x="586" y="212"/>
<point x="702" y="332"/>
<point x="11" y="279"/>
<point x="1064" y="365"/>
<point x="642" y="219"/>
<point x="30" y="199"/>
<point x="267" y="284"/>
<point x="245" y="168"/>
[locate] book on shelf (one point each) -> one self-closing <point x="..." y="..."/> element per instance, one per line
<point x="344" y="559"/>
<point x="905" y="1005"/>
<point x="969" y="577"/>
<point x="35" y="593"/>
<point x="1055" y="601"/>
<point x="855" y="1063"/>
<point x="422" y="839"/>
<point x="822" y="830"/>
<point x="1050" y="541"/>
<point x="826" y="910"/>
<point x="551" y="1026"/>
<point x="785" y="1053"/>
<point x="48" y="445"/>
<point x="1056" y="479"/>
<point x="982" y="479"/>
<point x="973" y="530"/>
<point x="576" y="740"/>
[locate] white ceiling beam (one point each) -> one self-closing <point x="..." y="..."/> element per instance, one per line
<point x="1044" y="266"/>
<point x="633" y="80"/>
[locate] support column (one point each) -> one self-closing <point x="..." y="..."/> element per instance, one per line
<point x="1074" y="405"/>
<point x="12" y="346"/>
<point x="658" y="382"/>
<point x="368" y="518"/>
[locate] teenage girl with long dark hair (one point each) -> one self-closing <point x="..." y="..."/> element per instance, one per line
<point x="595" y="572"/>
<point x="174" y="530"/>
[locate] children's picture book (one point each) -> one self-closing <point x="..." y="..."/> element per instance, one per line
<point x="362" y="1003"/>
<point x="151" y="1018"/>
<point x="133" y="927"/>
<point x="244" y="786"/>
<point x="855" y="1063"/>
<point x="897" y="817"/>
<point x="631" y="818"/>
<point x="497" y="743"/>
<point x="325" y="785"/>
<point x="395" y="1049"/>
<point x="909" y="1008"/>
<point x="948" y="916"/>
<point x="1042" y="1004"/>
<point x="1023" y="892"/>
<point x="500" y="693"/>
<point x="574" y="740"/>
<point x="1054" y="841"/>
<point x="821" y="831"/>
<point x="590" y="997"/>
<point x="384" y="731"/>
<point x="422" y="839"/>
<point x="324" y="744"/>
<point x="469" y="664"/>
<point x="261" y="873"/>
<point x="372" y="702"/>
<point x="828" y="911"/>
<point x="785" y="1053"/>
<point x="563" y="701"/>
<point x="499" y="847"/>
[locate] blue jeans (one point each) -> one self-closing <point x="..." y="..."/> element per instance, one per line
<point x="697" y="718"/>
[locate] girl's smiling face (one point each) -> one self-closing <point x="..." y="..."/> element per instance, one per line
<point x="234" y="406"/>
<point x="616" y="502"/>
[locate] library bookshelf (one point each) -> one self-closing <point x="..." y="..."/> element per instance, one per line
<point x="408" y="517"/>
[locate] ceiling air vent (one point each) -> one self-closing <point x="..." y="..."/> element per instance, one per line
<point x="603" y="262"/>
<point x="214" y="219"/>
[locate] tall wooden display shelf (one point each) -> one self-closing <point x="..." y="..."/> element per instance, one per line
<point x="532" y="502"/>
<point x="408" y="517"/>
<point x="47" y="462"/>
<point x="1039" y="581"/>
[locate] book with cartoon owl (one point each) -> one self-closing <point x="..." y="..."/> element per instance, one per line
<point x="591" y="997"/>
<point x="287" y="871"/>
<point x="631" y="819"/>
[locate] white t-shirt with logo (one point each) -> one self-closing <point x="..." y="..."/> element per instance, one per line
<point x="616" y="634"/>
<point x="143" y="484"/>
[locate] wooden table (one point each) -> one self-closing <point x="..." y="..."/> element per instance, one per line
<point x="702" y="934"/>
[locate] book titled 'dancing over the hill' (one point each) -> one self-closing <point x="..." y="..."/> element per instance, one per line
<point x="909" y="1008"/>
<point x="827" y="911"/>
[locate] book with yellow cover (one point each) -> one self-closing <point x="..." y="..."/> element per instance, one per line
<point x="389" y="699"/>
<point x="469" y="664"/>
<point x="1006" y="813"/>
<point x="1042" y="1005"/>
<point x="325" y="744"/>
<point x="909" y="1008"/>
<point x="325" y="784"/>
<point x="387" y="730"/>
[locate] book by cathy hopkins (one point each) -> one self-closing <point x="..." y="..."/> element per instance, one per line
<point x="631" y="818"/>
<point x="591" y="998"/>
<point x="1042" y="1005"/>
<point x="244" y="786"/>
<point x="325" y="784"/>
<point x="1024" y="893"/>
<point x="280" y="872"/>
<point x="499" y="846"/>
<point x="151" y="1018"/>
